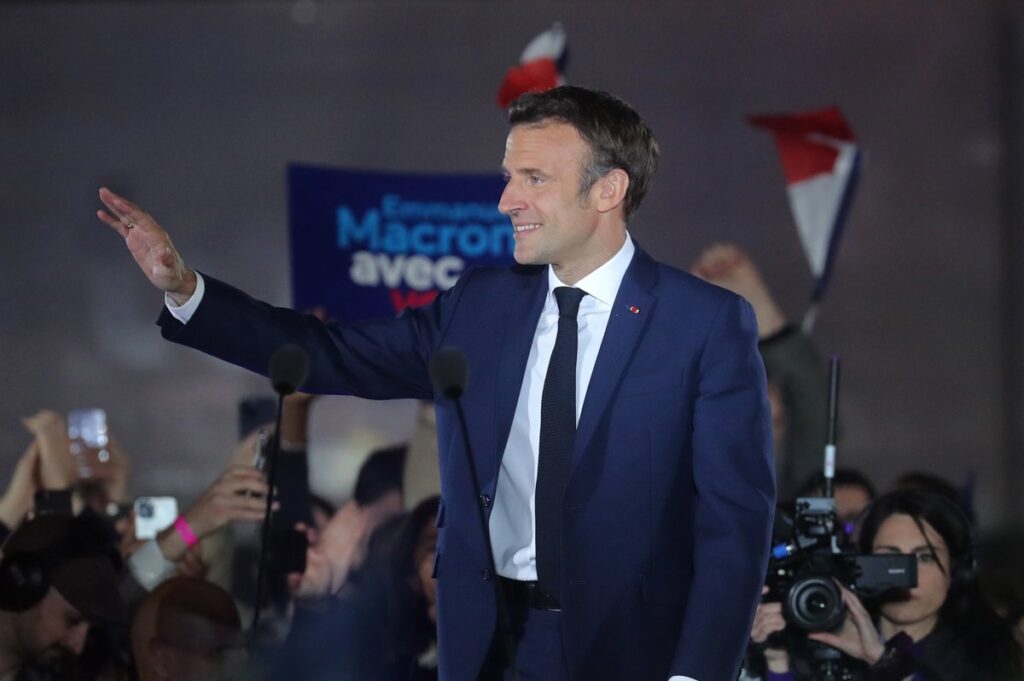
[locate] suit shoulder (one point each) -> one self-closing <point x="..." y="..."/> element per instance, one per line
<point x="498" y="276"/>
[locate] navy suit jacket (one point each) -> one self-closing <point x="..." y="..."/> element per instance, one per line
<point x="669" y="503"/>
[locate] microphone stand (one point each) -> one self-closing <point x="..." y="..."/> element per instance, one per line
<point x="275" y="446"/>
<point x="504" y="620"/>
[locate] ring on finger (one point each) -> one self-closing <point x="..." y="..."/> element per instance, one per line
<point x="130" y="225"/>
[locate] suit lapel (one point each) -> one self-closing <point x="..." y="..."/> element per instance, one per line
<point x="630" y="315"/>
<point x="523" y="308"/>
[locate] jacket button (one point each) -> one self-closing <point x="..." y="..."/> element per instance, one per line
<point x="485" y="501"/>
<point x="486" y="574"/>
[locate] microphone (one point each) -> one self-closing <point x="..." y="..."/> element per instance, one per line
<point x="449" y="372"/>
<point x="289" y="368"/>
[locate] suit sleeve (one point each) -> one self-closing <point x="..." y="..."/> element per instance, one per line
<point x="734" y="484"/>
<point x="381" y="359"/>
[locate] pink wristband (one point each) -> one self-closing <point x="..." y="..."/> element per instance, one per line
<point x="185" y="532"/>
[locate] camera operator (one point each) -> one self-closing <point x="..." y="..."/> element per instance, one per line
<point x="941" y="630"/>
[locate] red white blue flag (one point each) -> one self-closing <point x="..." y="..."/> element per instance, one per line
<point x="541" y="67"/>
<point x="821" y="162"/>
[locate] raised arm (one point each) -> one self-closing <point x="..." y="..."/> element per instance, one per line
<point x="150" y="245"/>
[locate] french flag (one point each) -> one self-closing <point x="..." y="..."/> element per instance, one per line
<point x="541" y="67"/>
<point x="821" y="162"/>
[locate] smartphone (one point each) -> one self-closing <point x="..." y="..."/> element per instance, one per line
<point x="153" y="515"/>
<point x="287" y="551"/>
<point x="259" y="459"/>
<point x="87" y="430"/>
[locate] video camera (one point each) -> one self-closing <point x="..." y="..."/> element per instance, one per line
<point x="811" y="557"/>
<point x="806" y="565"/>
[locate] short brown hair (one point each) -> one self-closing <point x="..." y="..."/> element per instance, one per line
<point x="615" y="133"/>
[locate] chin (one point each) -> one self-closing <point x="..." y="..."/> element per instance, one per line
<point x="524" y="258"/>
<point x="906" y="613"/>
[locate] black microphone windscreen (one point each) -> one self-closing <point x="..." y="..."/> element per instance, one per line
<point x="449" y="372"/>
<point x="289" y="368"/>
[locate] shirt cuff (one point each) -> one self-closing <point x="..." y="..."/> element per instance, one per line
<point x="183" y="313"/>
<point x="149" y="566"/>
<point x="682" y="678"/>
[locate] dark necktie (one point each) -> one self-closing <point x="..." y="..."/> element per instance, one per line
<point x="557" y="435"/>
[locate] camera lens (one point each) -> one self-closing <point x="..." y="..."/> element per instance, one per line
<point x="146" y="510"/>
<point x="815" y="603"/>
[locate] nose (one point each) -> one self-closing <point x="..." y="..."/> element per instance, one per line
<point x="75" y="639"/>
<point x="510" y="203"/>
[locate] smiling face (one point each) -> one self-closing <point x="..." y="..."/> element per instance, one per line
<point x="900" y="534"/>
<point x="554" y="222"/>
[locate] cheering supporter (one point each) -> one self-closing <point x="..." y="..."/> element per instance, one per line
<point x="796" y="376"/>
<point x="941" y="630"/>
<point x="19" y="496"/>
<point x="58" y="576"/>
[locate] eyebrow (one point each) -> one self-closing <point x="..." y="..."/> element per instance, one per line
<point x="896" y="549"/>
<point x="523" y="171"/>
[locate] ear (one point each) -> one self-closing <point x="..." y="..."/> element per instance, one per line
<point x="611" y="190"/>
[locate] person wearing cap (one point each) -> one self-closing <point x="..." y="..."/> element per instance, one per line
<point x="58" y="575"/>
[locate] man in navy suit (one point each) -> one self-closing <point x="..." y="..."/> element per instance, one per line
<point x="617" y="415"/>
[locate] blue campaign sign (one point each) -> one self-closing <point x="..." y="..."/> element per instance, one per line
<point x="369" y="244"/>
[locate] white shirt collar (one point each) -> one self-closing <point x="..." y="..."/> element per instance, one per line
<point x="603" y="283"/>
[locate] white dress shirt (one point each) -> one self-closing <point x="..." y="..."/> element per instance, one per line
<point x="513" y="517"/>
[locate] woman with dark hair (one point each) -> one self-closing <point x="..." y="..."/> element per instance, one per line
<point x="942" y="629"/>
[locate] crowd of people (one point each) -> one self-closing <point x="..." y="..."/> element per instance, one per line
<point x="82" y="597"/>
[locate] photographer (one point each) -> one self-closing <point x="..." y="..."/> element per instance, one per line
<point x="941" y="630"/>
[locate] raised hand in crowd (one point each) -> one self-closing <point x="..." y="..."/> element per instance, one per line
<point x="315" y="583"/>
<point x="118" y="472"/>
<point x="338" y="550"/>
<point x="295" y="420"/>
<point x="150" y="245"/>
<point x="726" y="265"/>
<point x="239" y="494"/>
<point x="16" y="502"/>
<point x="57" y="468"/>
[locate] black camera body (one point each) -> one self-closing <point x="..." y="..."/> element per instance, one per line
<point x="811" y="556"/>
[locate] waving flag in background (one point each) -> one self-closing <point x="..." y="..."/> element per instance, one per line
<point x="541" y="67"/>
<point x="821" y="162"/>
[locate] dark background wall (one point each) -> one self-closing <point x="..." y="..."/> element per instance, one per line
<point x="194" y="110"/>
